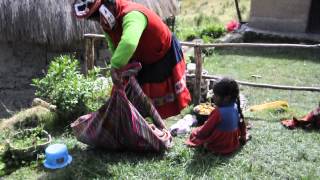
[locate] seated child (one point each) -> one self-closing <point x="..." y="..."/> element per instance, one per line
<point x="224" y="130"/>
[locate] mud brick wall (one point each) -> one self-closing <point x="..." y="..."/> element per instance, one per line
<point x="22" y="62"/>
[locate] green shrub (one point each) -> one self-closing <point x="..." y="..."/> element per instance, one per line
<point x="73" y="93"/>
<point x="202" y="27"/>
<point x="212" y="32"/>
<point x="191" y="36"/>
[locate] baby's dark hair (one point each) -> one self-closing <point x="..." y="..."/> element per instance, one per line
<point x="228" y="87"/>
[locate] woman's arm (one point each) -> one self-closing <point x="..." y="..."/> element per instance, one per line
<point x="109" y="42"/>
<point x="133" y="26"/>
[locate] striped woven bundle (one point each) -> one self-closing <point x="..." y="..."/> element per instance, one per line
<point x="120" y="123"/>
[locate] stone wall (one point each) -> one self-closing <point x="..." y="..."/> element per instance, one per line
<point x="280" y="15"/>
<point x="19" y="64"/>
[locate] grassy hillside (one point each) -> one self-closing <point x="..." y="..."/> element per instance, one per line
<point x="220" y="11"/>
<point x="197" y="15"/>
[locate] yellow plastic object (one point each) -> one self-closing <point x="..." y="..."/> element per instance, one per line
<point x="270" y="105"/>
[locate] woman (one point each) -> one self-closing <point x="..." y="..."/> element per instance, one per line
<point x="137" y="34"/>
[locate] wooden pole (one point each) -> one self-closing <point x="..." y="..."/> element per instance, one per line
<point x="101" y="36"/>
<point x="238" y="11"/>
<point x="89" y="54"/>
<point x="86" y="57"/>
<point x="197" y="84"/>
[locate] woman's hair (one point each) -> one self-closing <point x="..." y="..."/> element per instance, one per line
<point x="228" y="87"/>
<point x="95" y="16"/>
<point x="109" y="2"/>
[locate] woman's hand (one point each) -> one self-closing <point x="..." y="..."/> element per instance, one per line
<point x="115" y="76"/>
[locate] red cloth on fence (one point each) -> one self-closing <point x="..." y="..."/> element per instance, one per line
<point x="309" y="121"/>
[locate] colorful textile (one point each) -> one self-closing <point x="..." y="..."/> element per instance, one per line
<point x="120" y="123"/>
<point x="85" y="8"/>
<point x="232" y="26"/>
<point x="309" y="121"/>
<point x="164" y="82"/>
<point x="221" y="133"/>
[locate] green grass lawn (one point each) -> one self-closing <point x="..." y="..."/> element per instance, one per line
<point x="274" y="152"/>
<point x="273" y="66"/>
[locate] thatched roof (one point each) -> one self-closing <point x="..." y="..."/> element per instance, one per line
<point x="51" y="21"/>
<point x="42" y="21"/>
<point x="164" y="8"/>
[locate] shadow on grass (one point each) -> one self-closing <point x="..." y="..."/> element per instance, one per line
<point x="91" y="163"/>
<point x="58" y="127"/>
<point x="204" y="160"/>
<point x="12" y="163"/>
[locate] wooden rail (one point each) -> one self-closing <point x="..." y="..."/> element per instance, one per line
<point x="89" y="60"/>
<point x="272" y="86"/>
<point x="266" y="45"/>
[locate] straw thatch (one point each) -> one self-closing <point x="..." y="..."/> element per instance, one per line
<point x="51" y="22"/>
<point x="164" y="8"/>
<point x="42" y="21"/>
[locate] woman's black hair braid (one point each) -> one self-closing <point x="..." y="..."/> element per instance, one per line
<point x="236" y="95"/>
<point x="239" y="108"/>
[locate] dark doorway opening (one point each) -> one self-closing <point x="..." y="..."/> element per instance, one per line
<point x="314" y="17"/>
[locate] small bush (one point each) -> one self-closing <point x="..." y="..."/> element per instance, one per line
<point x="210" y="33"/>
<point x="203" y="28"/>
<point x="72" y="93"/>
<point x="191" y="36"/>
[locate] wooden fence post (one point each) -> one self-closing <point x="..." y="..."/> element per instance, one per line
<point x="89" y="54"/>
<point x="197" y="84"/>
<point x="238" y="11"/>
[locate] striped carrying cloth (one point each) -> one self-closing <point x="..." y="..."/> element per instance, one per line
<point x="120" y="123"/>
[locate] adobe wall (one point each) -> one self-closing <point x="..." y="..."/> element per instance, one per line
<point x="280" y="15"/>
<point x="19" y="64"/>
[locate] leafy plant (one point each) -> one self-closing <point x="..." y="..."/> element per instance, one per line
<point x="27" y="138"/>
<point x="208" y="33"/>
<point x="212" y="32"/>
<point x="73" y="93"/>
